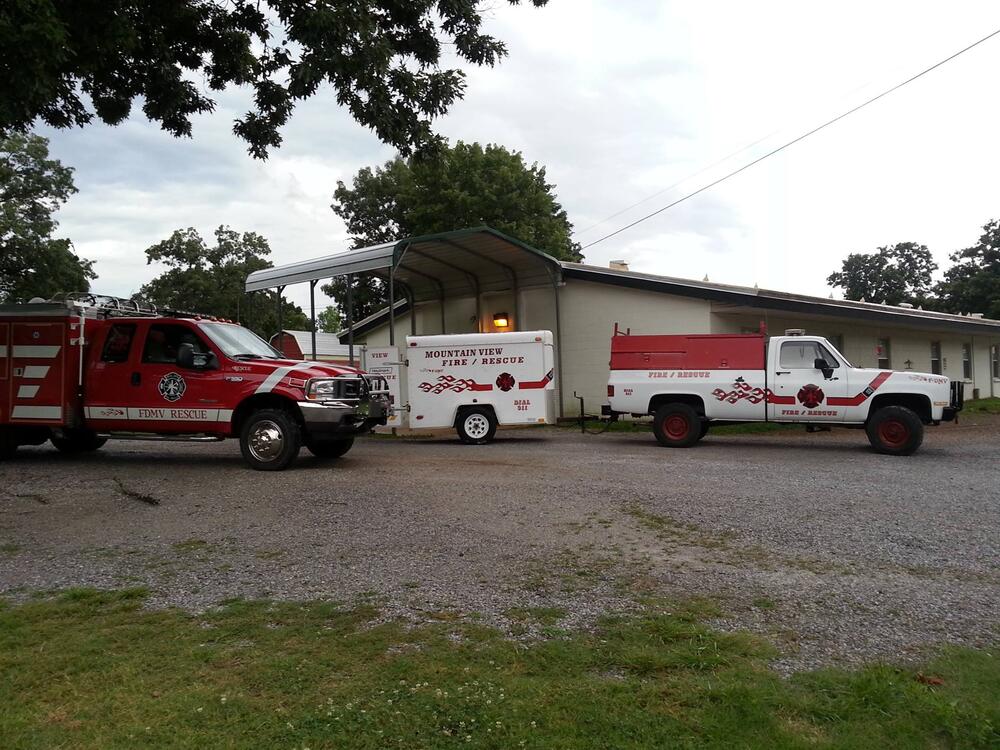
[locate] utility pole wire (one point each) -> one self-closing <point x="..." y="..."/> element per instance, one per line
<point x="796" y="140"/>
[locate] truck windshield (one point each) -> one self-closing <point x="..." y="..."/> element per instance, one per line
<point x="237" y="342"/>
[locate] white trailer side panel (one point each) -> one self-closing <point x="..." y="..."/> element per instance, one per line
<point x="512" y="372"/>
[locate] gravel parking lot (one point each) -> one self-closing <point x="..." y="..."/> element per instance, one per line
<point x="833" y="552"/>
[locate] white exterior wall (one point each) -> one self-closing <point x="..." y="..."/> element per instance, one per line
<point x="588" y="312"/>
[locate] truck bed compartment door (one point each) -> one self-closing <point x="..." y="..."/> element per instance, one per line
<point x="37" y="388"/>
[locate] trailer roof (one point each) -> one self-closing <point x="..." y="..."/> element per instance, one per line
<point x="429" y="267"/>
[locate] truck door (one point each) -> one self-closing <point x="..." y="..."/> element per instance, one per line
<point x="169" y="398"/>
<point x="799" y="391"/>
<point x="107" y="378"/>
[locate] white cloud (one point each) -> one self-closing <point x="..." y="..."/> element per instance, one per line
<point x="618" y="101"/>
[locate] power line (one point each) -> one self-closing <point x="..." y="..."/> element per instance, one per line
<point x="796" y="140"/>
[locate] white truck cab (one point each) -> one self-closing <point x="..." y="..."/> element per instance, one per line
<point x="688" y="383"/>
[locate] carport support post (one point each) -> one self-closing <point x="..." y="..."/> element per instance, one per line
<point x="281" y="332"/>
<point x="392" y="312"/>
<point x="312" y="313"/>
<point x="350" y="319"/>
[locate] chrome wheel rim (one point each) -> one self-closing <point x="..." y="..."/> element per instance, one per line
<point x="476" y="426"/>
<point x="266" y="441"/>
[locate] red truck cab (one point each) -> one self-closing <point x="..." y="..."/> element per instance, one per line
<point x="82" y="371"/>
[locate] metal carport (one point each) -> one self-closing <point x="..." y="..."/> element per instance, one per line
<point x="428" y="268"/>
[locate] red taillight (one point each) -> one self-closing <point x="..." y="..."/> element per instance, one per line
<point x="611" y="391"/>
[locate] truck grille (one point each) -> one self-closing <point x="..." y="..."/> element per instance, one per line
<point x="957" y="395"/>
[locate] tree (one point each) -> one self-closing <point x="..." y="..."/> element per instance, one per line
<point x="972" y="284"/>
<point x="893" y="274"/>
<point x="32" y="187"/>
<point x="460" y="186"/>
<point x="329" y="320"/>
<point x="382" y="58"/>
<point x="210" y="280"/>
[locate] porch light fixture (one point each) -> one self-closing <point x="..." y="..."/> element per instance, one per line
<point x="500" y="320"/>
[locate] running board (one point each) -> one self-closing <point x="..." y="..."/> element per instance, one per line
<point x="163" y="438"/>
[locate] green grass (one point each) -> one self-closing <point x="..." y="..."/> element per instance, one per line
<point x="97" y="670"/>
<point x="982" y="406"/>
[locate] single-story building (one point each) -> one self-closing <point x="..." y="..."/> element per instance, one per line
<point x="479" y="280"/>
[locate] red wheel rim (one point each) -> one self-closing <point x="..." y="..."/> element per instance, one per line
<point x="676" y="427"/>
<point x="893" y="433"/>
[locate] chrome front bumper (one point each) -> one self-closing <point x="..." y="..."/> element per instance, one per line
<point x="332" y="418"/>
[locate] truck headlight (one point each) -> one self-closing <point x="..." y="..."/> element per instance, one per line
<point x="321" y="389"/>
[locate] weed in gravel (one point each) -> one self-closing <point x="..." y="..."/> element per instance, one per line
<point x="9" y="549"/>
<point x="190" y="545"/>
<point x="263" y="674"/>
<point x="142" y="497"/>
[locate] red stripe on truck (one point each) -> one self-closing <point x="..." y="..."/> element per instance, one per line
<point x="863" y="396"/>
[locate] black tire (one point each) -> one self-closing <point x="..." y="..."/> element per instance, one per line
<point x="329" y="448"/>
<point x="476" y="425"/>
<point x="704" y="429"/>
<point x="895" y="431"/>
<point x="677" y="426"/>
<point x="270" y="440"/>
<point x="78" y="441"/>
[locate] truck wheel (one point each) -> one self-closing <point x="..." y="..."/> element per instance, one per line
<point x="895" y="430"/>
<point x="77" y="441"/>
<point x="677" y="426"/>
<point x="476" y="426"/>
<point x="270" y="440"/>
<point x="704" y="429"/>
<point x="329" y="448"/>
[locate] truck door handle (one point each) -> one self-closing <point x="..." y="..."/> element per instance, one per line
<point x="136" y="378"/>
<point x="783" y="372"/>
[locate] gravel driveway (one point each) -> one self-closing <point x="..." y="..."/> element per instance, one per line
<point x="833" y="552"/>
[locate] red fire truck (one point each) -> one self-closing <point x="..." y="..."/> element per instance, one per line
<point x="82" y="370"/>
<point x="687" y="383"/>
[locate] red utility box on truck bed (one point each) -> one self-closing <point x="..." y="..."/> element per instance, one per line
<point x="39" y="365"/>
<point x="695" y="352"/>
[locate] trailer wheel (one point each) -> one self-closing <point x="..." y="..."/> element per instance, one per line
<point x="329" y="448"/>
<point x="677" y="426"/>
<point x="895" y="431"/>
<point x="270" y="440"/>
<point x="77" y="441"/>
<point x="476" y="425"/>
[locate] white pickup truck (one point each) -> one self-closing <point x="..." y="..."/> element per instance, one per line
<point x="689" y="382"/>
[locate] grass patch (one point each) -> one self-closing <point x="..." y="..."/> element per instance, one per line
<point x="190" y="545"/>
<point x="982" y="406"/>
<point x="97" y="670"/>
<point x="752" y="428"/>
<point x="9" y="549"/>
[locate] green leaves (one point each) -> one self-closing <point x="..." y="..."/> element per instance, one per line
<point x="382" y="59"/>
<point x="893" y="274"/>
<point x="209" y="279"/>
<point x="32" y="187"/>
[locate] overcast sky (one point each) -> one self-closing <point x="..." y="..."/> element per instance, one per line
<point x="620" y="99"/>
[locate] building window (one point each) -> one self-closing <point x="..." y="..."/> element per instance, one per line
<point x="884" y="355"/>
<point x="967" y="361"/>
<point x="995" y="349"/>
<point x="936" y="357"/>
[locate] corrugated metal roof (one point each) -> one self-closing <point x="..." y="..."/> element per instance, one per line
<point x="429" y="267"/>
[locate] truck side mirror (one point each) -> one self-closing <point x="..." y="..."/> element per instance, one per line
<point x="189" y="359"/>
<point x="821" y="364"/>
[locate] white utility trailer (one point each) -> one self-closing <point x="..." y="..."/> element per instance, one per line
<point x="471" y="382"/>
